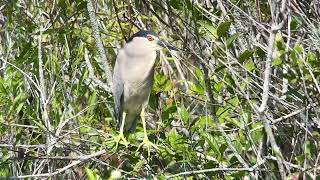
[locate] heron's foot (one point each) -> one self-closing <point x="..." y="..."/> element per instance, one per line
<point x="121" y="139"/>
<point x="146" y="143"/>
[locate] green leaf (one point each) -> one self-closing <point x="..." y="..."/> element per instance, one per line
<point x="298" y="48"/>
<point x="197" y="88"/>
<point x="260" y="52"/>
<point x="176" y="4"/>
<point x="300" y="62"/>
<point x="294" y="24"/>
<point x="160" y="78"/>
<point x="280" y="43"/>
<point x="199" y="73"/>
<point x="234" y="101"/>
<point x="223" y="147"/>
<point x="202" y="121"/>
<point x="223" y="28"/>
<point x="277" y="62"/>
<point x="18" y="109"/>
<point x="174" y="139"/>
<point x="209" y="28"/>
<point x="184" y="114"/>
<point x="4" y="172"/>
<point x="310" y="149"/>
<point x="234" y="122"/>
<point x="212" y="143"/>
<point x="312" y="59"/>
<point x="307" y="149"/>
<point x="167" y="86"/>
<point x="220" y="68"/>
<point x="90" y="174"/>
<point x="218" y="86"/>
<point x="293" y="56"/>
<point x="137" y="167"/>
<point x="242" y="137"/>
<point x="3" y="89"/>
<point x="168" y="111"/>
<point x="250" y="66"/>
<point x="239" y="175"/>
<point x="245" y="55"/>
<point x="231" y="39"/>
<point x="300" y="159"/>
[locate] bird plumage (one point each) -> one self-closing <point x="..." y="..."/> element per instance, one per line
<point x="132" y="83"/>
<point x="132" y="80"/>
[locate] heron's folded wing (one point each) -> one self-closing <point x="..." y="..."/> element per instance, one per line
<point x="118" y="101"/>
<point x="118" y="89"/>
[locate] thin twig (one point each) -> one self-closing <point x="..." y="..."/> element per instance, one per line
<point x="265" y="94"/>
<point x="22" y="146"/>
<point x="74" y="163"/>
<point x="210" y="170"/>
<point x="284" y="117"/>
<point x="213" y="112"/>
<point x="43" y="93"/>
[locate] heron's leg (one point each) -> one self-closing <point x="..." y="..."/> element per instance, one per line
<point x="121" y="136"/>
<point x="146" y="141"/>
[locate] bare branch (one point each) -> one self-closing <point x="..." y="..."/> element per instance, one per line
<point x="210" y="170"/>
<point x="265" y="94"/>
<point x="74" y="163"/>
<point x="103" y="61"/>
<point x="43" y="93"/>
<point x="213" y="112"/>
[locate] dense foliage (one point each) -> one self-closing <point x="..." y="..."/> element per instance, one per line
<point x="239" y="99"/>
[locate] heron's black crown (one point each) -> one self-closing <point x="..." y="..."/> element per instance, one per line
<point x="142" y="33"/>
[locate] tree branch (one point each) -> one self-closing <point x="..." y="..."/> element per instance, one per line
<point x="43" y="93"/>
<point x="103" y="61"/>
<point x="265" y="94"/>
<point x="210" y="170"/>
<point x="74" y="163"/>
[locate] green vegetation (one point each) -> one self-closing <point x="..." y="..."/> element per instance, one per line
<point x="239" y="100"/>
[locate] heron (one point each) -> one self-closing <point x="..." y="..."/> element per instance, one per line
<point x="132" y="82"/>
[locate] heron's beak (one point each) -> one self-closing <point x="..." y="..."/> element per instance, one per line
<point x="166" y="45"/>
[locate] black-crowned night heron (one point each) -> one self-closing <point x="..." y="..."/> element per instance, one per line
<point x="132" y="82"/>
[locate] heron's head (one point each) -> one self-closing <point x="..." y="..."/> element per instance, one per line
<point x="150" y="40"/>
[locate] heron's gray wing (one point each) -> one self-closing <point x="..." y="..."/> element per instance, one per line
<point x="117" y="90"/>
<point x="118" y="102"/>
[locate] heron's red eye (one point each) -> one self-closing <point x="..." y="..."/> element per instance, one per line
<point x="150" y="38"/>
